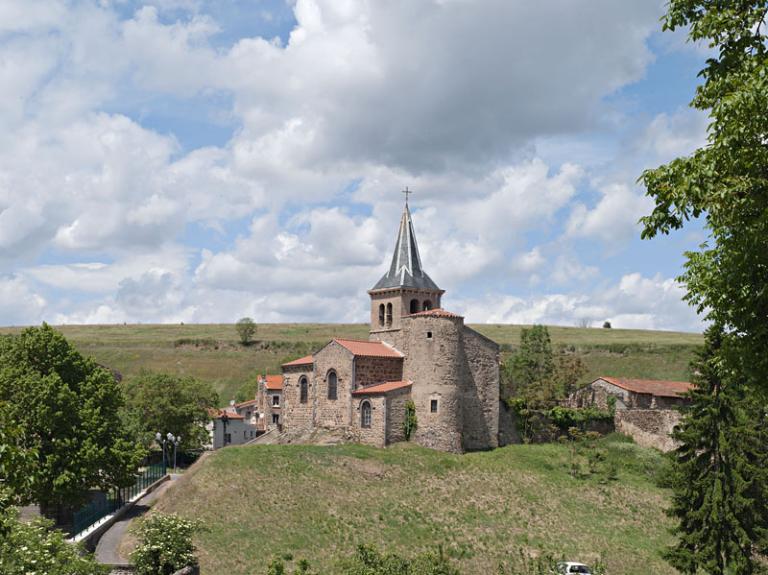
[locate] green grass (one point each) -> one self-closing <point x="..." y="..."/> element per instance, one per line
<point x="319" y="502"/>
<point x="212" y="352"/>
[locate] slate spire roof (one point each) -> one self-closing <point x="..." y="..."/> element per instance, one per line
<point x="406" y="270"/>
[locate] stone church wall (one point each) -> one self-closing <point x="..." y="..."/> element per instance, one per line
<point x="297" y="415"/>
<point x="396" y="401"/>
<point x="330" y="412"/>
<point x="375" y="434"/>
<point x="480" y="391"/>
<point x="433" y="365"/>
<point x="371" y="370"/>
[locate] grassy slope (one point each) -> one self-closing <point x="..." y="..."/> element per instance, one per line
<point x="319" y="502"/>
<point x="218" y="358"/>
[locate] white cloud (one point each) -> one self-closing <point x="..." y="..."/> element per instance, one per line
<point x="615" y="216"/>
<point x="19" y="304"/>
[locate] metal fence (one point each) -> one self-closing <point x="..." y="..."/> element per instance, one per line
<point x="106" y="503"/>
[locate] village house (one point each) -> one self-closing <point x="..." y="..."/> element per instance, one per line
<point x="418" y="356"/>
<point x="242" y="422"/>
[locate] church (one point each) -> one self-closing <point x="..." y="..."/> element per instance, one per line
<point x="416" y="352"/>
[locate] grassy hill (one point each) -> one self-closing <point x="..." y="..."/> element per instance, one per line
<point x="212" y="351"/>
<point x="319" y="502"/>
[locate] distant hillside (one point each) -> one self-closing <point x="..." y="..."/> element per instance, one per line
<point x="318" y="503"/>
<point x="212" y="351"/>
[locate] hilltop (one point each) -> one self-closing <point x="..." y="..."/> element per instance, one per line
<point x="318" y="503"/>
<point x="212" y="351"/>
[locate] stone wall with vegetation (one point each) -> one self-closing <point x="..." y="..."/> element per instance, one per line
<point x="649" y="427"/>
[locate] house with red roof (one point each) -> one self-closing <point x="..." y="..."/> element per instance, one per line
<point x="645" y="409"/>
<point x="417" y="357"/>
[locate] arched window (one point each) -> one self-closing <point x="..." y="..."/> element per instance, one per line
<point x="389" y="314"/>
<point x="365" y="414"/>
<point x="414" y="306"/>
<point x="333" y="384"/>
<point x="427" y="305"/>
<point x="303" y="389"/>
<point x="381" y="314"/>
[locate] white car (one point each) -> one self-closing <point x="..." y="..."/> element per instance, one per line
<point x="570" y="567"/>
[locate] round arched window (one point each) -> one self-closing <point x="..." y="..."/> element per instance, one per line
<point x="381" y="314"/>
<point x="333" y="384"/>
<point x="365" y="414"/>
<point x="303" y="389"/>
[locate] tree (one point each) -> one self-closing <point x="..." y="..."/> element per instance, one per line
<point x="720" y="474"/>
<point x="172" y="404"/>
<point x="535" y="374"/>
<point x="65" y="411"/>
<point x="246" y="329"/>
<point x="607" y="325"/>
<point x="724" y="183"/>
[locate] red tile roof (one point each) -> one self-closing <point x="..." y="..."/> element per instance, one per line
<point x="219" y="413"/>
<point x="273" y="382"/>
<point x="437" y="312"/>
<point x="368" y="348"/>
<point x="382" y="387"/>
<point x="306" y="360"/>
<point x="655" y="387"/>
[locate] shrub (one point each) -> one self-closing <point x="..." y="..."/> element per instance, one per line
<point x="165" y="544"/>
<point x="410" y="423"/>
<point x="36" y="548"/>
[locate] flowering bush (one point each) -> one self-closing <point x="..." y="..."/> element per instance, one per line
<point x="36" y="549"/>
<point x="165" y="544"/>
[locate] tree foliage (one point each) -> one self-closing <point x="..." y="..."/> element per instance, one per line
<point x="726" y="184"/>
<point x="410" y="422"/>
<point x="61" y="411"/>
<point x="535" y="374"/>
<point x="172" y="404"/>
<point x="165" y="544"/>
<point x="246" y="329"/>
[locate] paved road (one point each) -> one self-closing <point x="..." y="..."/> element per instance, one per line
<point x="107" y="550"/>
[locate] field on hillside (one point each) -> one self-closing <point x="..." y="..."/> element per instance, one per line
<point x="318" y="503"/>
<point x="212" y="351"/>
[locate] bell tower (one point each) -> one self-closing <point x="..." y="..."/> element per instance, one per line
<point x="406" y="288"/>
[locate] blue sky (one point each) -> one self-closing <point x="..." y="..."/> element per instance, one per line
<point x="184" y="160"/>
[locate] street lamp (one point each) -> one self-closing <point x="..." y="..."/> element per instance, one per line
<point x="161" y="440"/>
<point x="175" y="442"/>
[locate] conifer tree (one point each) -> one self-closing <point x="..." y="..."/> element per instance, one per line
<point x="719" y="480"/>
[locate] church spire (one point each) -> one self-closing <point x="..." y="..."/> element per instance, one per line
<point x="405" y="269"/>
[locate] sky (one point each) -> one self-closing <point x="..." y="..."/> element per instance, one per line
<point x="201" y="161"/>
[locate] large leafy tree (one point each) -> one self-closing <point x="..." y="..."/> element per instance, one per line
<point x="63" y="408"/>
<point x="726" y="184"/>
<point x="172" y="404"/>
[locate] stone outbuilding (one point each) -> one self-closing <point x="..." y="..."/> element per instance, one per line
<point x="416" y="352"/>
<point x="645" y="409"/>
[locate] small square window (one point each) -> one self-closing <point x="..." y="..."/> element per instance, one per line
<point x="433" y="406"/>
<point x="429" y="335"/>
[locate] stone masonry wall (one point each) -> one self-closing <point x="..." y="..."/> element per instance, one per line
<point x="480" y="391"/>
<point x="396" y="401"/>
<point x="648" y="427"/>
<point x="333" y="413"/>
<point x="371" y="370"/>
<point x="297" y="415"/>
<point x="433" y="365"/>
<point x="376" y="434"/>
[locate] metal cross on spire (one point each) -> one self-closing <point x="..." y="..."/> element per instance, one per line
<point x="407" y="192"/>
